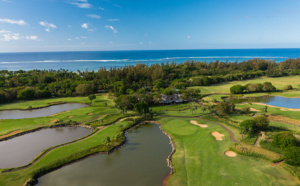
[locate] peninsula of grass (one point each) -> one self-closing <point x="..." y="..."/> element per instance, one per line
<point x="66" y="154"/>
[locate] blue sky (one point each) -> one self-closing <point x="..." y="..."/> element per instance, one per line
<point x="84" y="25"/>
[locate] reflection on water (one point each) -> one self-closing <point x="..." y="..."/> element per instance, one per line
<point x="141" y="162"/>
<point x="273" y="100"/>
<point x="48" y="111"/>
<point x="22" y="150"/>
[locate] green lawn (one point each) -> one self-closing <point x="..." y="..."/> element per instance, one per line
<point x="200" y="159"/>
<point x="101" y="98"/>
<point x="279" y="83"/>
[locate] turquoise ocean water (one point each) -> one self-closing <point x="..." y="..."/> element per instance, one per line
<point x="74" y="61"/>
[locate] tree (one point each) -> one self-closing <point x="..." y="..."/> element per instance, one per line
<point x="225" y="108"/>
<point x="92" y="97"/>
<point x="167" y="91"/>
<point x="237" y="89"/>
<point x="27" y="94"/>
<point x="268" y="87"/>
<point x="141" y="108"/>
<point x="105" y="104"/>
<point x="262" y="122"/>
<point x="83" y="89"/>
<point x="157" y="98"/>
<point x="248" y="126"/>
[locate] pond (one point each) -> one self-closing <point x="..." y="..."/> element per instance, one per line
<point x="142" y="161"/>
<point x="23" y="149"/>
<point x="293" y="103"/>
<point x="47" y="111"/>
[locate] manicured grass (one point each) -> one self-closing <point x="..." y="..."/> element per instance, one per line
<point x="101" y="98"/>
<point x="200" y="159"/>
<point x="279" y="83"/>
<point x="20" y="177"/>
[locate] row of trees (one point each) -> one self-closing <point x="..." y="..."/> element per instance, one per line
<point x="141" y="77"/>
<point x="253" y="88"/>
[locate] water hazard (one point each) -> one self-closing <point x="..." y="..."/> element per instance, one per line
<point x="142" y="161"/>
<point x="278" y="101"/>
<point x="47" y="111"/>
<point x="22" y="150"/>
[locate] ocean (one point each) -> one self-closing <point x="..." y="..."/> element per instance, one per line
<point x="90" y="61"/>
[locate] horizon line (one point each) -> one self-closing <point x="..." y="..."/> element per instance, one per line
<point x="146" y="50"/>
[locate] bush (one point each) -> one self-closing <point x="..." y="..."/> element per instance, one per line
<point x="262" y="122"/>
<point x="292" y="156"/>
<point x="245" y="110"/>
<point x="225" y="108"/>
<point x="237" y="89"/>
<point x="284" y="140"/>
<point x="27" y="94"/>
<point x="288" y="87"/>
<point x="248" y="126"/>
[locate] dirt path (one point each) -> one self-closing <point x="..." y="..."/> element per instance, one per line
<point x="256" y="144"/>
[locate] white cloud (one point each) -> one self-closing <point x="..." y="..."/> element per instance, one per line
<point x="85" y="25"/>
<point x="81" y="3"/>
<point x="32" y="38"/>
<point x="141" y="43"/>
<point x="15" y="22"/>
<point x="10" y="36"/>
<point x="93" y="16"/>
<point x="111" y="28"/>
<point x="100" y="8"/>
<point x="150" y="43"/>
<point x="83" y="37"/>
<point x="189" y="37"/>
<point x="117" y="5"/>
<point x="47" y="25"/>
<point x="113" y="20"/>
<point x="69" y="39"/>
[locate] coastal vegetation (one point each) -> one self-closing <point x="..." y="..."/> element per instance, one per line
<point x="208" y="130"/>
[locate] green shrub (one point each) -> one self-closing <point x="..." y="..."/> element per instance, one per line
<point x="248" y="126"/>
<point x="292" y="156"/>
<point x="262" y="122"/>
<point x="288" y="87"/>
<point x="284" y="140"/>
<point x="237" y="89"/>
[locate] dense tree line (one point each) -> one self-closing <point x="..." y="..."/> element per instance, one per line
<point x="140" y="78"/>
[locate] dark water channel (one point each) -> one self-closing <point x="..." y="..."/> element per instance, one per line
<point x="141" y="162"/>
<point x="278" y="101"/>
<point x="22" y="150"/>
<point x="47" y="111"/>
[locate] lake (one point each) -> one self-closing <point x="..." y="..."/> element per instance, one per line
<point x="278" y="101"/>
<point x="47" y="111"/>
<point x="23" y="149"/>
<point x="142" y="161"/>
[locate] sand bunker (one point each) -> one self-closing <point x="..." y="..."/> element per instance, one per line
<point x="70" y="116"/>
<point x="287" y="109"/>
<point x="200" y="125"/>
<point x="53" y="121"/>
<point x="217" y="135"/>
<point x="230" y="153"/>
<point x="254" y="110"/>
<point x="90" y="114"/>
